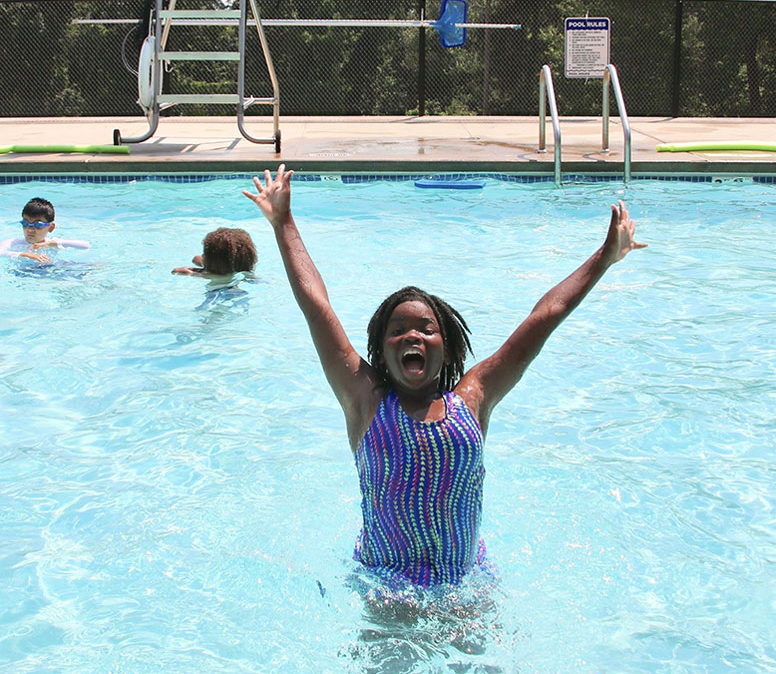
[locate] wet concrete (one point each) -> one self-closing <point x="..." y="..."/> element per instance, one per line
<point x="399" y="144"/>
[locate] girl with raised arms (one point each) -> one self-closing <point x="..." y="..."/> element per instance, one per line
<point x="415" y="420"/>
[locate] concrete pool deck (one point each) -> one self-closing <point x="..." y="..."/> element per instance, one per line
<point x="395" y="144"/>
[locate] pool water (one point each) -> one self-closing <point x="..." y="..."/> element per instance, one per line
<point x="176" y="489"/>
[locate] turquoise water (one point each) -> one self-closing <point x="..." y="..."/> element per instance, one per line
<point x="176" y="490"/>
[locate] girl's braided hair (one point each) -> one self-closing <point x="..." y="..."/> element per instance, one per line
<point x="455" y="334"/>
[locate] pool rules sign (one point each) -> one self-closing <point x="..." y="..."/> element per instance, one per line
<point x="587" y="46"/>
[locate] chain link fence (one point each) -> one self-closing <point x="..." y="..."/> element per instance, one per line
<point x="674" y="58"/>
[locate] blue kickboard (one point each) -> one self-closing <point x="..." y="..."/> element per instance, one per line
<point x="450" y="184"/>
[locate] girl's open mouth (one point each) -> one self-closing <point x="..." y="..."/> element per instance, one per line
<point x="413" y="361"/>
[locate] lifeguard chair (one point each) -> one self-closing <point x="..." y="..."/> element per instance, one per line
<point x="154" y="56"/>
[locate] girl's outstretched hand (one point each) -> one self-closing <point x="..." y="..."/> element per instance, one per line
<point x="273" y="198"/>
<point x="619" y="240"/>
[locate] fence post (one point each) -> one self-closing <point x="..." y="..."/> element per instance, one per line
<point x="422" y="60"/>
<point x="677" y="59"/>
<point x="486" y="73"/>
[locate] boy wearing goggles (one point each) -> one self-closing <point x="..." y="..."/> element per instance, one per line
<point x="37" y="223"/>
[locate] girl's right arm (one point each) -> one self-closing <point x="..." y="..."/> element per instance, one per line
<point x="352" y="379"/>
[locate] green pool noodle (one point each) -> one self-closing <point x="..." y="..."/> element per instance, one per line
<point x="56" y="149"/>
<point x="719" y="145"/>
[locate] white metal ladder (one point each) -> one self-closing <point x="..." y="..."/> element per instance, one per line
<point x="162" y="21"/>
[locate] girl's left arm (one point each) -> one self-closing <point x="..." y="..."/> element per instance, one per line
<point x="489" y="381"/>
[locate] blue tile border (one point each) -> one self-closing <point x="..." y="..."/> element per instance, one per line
<point x="360" y="178"/>
<point x="402" y="177"/>
<point x="124" y="179"/>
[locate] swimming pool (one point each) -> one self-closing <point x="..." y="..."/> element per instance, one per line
<point x="177" y="494"/>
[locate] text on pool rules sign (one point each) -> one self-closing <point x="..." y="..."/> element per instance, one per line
<point x="587" y="46"/>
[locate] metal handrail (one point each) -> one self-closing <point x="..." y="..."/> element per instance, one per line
<point x="545" y="85"/>
<point x="161" y="33"/>
<point x="274" y="101"/>
<point x="610" y="74"/>
<point x="153" y="113"/>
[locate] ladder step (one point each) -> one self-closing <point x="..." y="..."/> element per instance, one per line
<point x="200" y="14"/>
<point x="199" y="55"/>
<point x="252" y="100"/>
<point x="198" y="98"/>
<point x="233" y="99"/>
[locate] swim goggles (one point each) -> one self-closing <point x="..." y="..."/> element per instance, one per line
<point x="38" y="224"/>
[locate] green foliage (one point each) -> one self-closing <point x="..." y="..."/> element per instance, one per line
<point x="53" y="66"/>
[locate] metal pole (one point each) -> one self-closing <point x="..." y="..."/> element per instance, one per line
<point x="542" y="111"/>
<point x="605" y="112"/>
<point x="422" y="60"/>
<point x="486" y="73"/>
<point x="610" y="76"/>
<point x="547" y="93"/>
<point x="675" y="102"/>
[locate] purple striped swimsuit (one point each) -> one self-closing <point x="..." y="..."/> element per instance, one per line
<point x="421" y="487"/>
